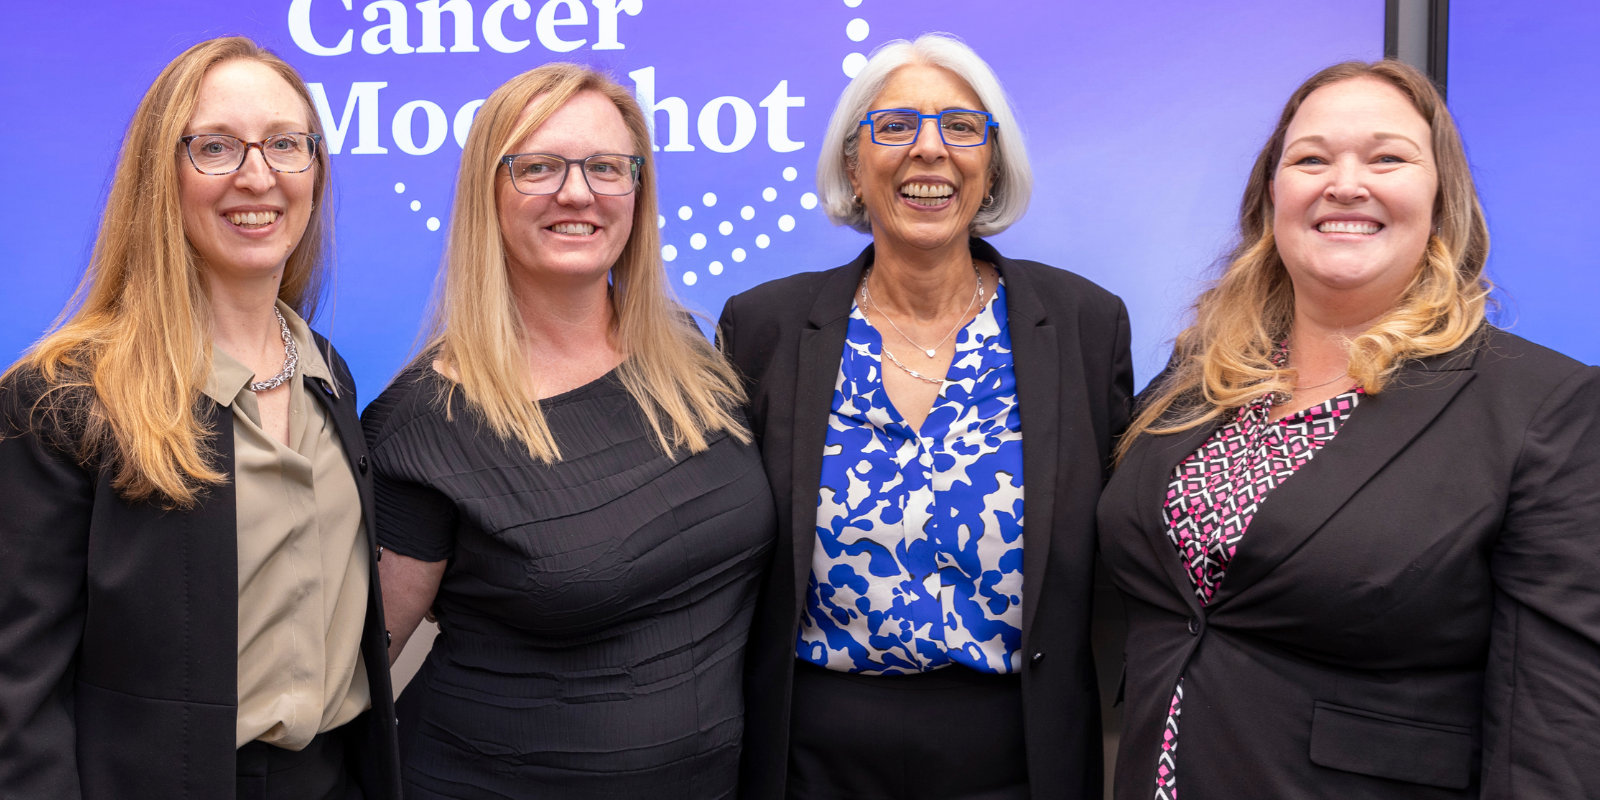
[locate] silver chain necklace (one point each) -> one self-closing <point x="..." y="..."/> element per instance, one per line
<point x="291" y="358"/>
<point x="931" y="352"/>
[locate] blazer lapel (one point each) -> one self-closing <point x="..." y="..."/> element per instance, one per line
<point x="1155" y="473"/>
<point x="821" y="350"/>
<point x="1382" y="426"/>
<point x="1042" y="369"/>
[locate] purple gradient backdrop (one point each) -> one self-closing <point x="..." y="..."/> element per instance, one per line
<point x="1141" y="118"/>
<point x="1523" y="86"/>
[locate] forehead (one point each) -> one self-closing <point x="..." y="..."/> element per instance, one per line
<point x="246" y="98"/>
<point x="588" y="123"/>
<point x="1358" y="107"/>
<point x="927" y="88"/>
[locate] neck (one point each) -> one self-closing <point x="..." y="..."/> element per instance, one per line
<point x="1323" y="328"/>
<point x="242" y="320"/>
<point x="921" y="283"/>
<point x="563" y="318"/>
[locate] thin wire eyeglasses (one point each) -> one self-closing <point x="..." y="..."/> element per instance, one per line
<point x="221" y="154"/>
<point x="958" y="127"/>
<point x="609" y="174"/>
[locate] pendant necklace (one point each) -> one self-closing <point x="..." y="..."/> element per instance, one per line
<point x="931" y="352"/>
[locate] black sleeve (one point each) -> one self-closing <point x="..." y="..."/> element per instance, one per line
<point x="414" y="518"/>
<point x="45" y="507"/>
<point x="1121" y="400"/>
<point x="1542" y="701"/>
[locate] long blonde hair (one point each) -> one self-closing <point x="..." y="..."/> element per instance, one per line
<point x="1223" y="360"/>
<point x="685" y="387"/>
<point x="123" y="366"/>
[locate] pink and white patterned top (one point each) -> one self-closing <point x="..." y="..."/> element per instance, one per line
<point x="1213" y="496"/>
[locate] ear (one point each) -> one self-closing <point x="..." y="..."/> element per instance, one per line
<point x="850" y="173"/>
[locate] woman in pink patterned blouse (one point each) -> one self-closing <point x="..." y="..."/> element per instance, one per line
<point x="1416" y="614"/>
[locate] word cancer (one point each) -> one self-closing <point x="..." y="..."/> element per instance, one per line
<point x="552" y="26"/>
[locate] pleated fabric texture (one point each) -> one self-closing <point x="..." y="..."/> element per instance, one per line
<point x="594" y="614"/>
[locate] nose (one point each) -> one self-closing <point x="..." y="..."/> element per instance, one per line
<point x="929" y="145"/>
<point x="1347" y="181"/>
<point x="254" y="174"/>
<point x="574" y="189"/>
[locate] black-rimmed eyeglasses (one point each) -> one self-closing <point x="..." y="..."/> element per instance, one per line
<point x="220" y="154"/>
<point x="607" y="174"/>
<point x="958" y="127"/>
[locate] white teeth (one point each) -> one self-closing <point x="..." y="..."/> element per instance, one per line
<point x="1349" y="226"/>
<point x="574" y="228"/>
<point x="927" y="190"/>
<point x="253" y="219"/>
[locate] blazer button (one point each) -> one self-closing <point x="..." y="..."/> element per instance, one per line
<point x="1037" y="659"/>
<point x="361" y="463"/>
<point x="1194" y="626"/>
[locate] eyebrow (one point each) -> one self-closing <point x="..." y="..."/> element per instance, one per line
<point x="1380" y="136"/>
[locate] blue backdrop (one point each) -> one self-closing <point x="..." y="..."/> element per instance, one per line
<point x="1142" y="118"/>
<point x="1525" y="87"/>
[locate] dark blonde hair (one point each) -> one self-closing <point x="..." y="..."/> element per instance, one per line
<point x="684" y="385"/>
<point x="124" y="365"/>
<point x="1223" y="359"/>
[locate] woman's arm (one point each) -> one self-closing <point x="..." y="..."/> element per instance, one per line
<point x="409" y="586"/>
<point x="45" y="506"/>
<point x="1542" y="687"/>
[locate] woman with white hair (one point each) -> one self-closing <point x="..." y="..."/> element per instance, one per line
<point x="915" y="638"/>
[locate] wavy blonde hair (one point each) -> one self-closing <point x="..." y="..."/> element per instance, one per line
<point x="1223" y="359"/>
<point x="685" y="387"/>
<point x="123" y="367"/>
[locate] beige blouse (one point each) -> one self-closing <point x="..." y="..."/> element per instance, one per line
<point x="303" y="571"/>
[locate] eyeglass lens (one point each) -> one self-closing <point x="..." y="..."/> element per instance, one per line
<point x="545" y="174"/>
<point x="957" y="128"/>
<point x="218" y="153"/>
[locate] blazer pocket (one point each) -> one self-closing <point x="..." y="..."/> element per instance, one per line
<point x="1369" y="743"/>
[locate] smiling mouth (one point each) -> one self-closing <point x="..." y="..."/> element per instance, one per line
<point x="1350" y="226"/>
<point x="572" y="228"/>
<point x="929" y="195"/>
<point x="253" y="220"/>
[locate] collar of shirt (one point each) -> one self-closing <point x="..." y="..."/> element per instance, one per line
<point x="229" y="378"/>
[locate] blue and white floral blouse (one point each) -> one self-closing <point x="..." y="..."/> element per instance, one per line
<point x="918" y="562"/>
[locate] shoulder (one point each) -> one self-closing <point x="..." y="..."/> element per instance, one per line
<point x="1060" y="288"/>
<point x="785" y="298"/>
<point x="1508" y="363"/>
<point x="54" y="412"/>
<point x="336" y="364"/>
<point x="409" y="398"/>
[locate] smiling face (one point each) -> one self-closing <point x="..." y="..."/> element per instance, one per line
<point x="1353" y="195"/>
<point x="925" y="194"/>
<point x="573" y="233"/>
<point x="245" y="224"/>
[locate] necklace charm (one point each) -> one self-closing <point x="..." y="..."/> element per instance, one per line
<point x="931" y="352"/>
<point x="291" y="359"/>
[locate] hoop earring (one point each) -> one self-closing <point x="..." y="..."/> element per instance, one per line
<point x="988" y="200"/>
<point x="856" y="198"/>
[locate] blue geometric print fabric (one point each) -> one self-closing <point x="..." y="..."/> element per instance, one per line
<point x="918" y="562"/>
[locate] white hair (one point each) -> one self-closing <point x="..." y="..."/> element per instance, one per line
<point x="1012" y="183"/>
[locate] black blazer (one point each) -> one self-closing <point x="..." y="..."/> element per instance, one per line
<point x="1074" y="381"/>
<point x="119" y="623"/>
<point x="1415" y="614"/>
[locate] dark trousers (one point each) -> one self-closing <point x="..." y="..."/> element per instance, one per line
<point x="951" y="734"/>
<point x="319" y="772"/>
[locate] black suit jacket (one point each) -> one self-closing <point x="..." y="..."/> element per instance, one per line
<point x="1074" y="381"/>
<point x="119" y="622"/>
<point x="1416" y="613"/>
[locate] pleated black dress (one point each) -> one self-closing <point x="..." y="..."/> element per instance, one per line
<point x="594" y="613"/>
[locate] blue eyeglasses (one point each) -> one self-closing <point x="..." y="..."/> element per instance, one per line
<point x="958" y="127"/>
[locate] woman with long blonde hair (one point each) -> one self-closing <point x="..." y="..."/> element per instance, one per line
<point x="187" y="604"/>
<point x="1354" y="522"/>
<point x="566" y="481"/>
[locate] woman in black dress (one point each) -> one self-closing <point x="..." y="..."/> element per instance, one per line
<point x="565" y="480"/>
